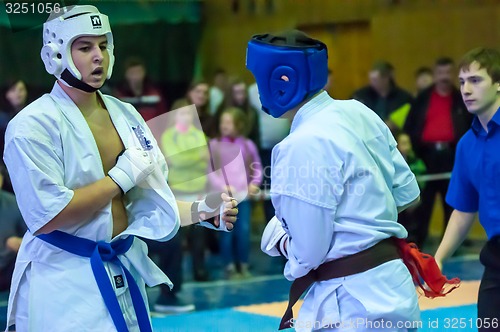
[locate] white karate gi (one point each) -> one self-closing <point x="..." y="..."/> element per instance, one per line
<point x="337" y="180"/>
<point x="50" y="151"/>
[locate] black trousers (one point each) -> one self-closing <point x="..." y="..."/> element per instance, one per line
<point x="169" y="258"/>
<point x="198" y="239"/>
<point x="6" y="276"/>
<point x="423" y="212"/>
<point x="437" y="161"/>
<point x="488" y="303"/>
<point x="410" y="219"/>
<point x="265" y="157"/>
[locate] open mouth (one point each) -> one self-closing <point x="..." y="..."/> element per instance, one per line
<point x="98" y="71"/>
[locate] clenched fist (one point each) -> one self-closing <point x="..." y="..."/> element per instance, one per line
<point x="132" y="167"/>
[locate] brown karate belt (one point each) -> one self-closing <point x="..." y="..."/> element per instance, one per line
<point x="422" y="267"/>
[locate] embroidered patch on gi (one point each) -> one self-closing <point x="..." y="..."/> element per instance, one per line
<point x="139" y="133"/>
<point x="119" y="282"/>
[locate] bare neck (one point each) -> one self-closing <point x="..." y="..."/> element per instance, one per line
<point x="87" y="102"/>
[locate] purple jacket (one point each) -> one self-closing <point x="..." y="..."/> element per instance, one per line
<point x="241" y="163"/>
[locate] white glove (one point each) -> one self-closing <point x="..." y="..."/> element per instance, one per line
<point x="132" y="167"/>
<point x="204" y="212"/>
<point x="274" y="238"/>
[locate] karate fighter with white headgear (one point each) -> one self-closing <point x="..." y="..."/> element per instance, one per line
<point x="89" y="177"/>
<point x="338" y="182"/>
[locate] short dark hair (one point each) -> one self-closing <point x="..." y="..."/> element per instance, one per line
<point x="423" y="70"/>
<point x="195" y="82"/>
<point x="134" y="61"/>
<point x="219" y="70"/>
<point x="291" y="37"/>
<point x="444" y="61"/>
<point x="487" y="58"/>
<point x="383" y="67"/>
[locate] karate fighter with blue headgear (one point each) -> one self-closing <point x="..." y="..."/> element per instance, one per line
<point x="89" y="177"/>
<point x="338" y="182"/>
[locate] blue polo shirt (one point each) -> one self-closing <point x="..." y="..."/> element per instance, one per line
<point x="475" y="180"/>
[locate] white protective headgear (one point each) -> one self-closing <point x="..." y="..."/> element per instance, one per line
<point x="60" y="31"/>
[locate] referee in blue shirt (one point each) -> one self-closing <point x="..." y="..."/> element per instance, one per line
<point x="475" y="181"/>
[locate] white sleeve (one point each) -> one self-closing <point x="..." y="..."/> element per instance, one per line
<point x="404" y="187"/>
<point x="38" y="180"/>
<point x="310" y="230"/>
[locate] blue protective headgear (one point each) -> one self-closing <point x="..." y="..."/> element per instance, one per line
<point x="288" y="69"/>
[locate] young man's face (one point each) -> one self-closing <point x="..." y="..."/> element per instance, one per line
<point x="91" y="58"/>
<point x="478" y="90"/>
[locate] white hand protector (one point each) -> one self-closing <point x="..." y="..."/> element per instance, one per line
<point x="132" y="167"/>
<point x="204" y="212"/>
<point x="274" y="239"/>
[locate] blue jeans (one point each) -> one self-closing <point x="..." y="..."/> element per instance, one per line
<point x="235" y="245"/>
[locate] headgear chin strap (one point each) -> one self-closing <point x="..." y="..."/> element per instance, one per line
<point x="60" y="31"/>
<point x="289" y="72"/>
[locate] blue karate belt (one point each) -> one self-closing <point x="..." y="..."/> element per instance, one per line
<point x="100" y="252"/>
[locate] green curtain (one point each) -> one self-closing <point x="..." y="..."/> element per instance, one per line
<point x="119" y="11"/>
<point x="165" y="34"/>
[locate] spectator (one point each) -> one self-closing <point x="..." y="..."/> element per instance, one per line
<point x="138" y="90"/>
<point x="185" y="147"/>
<point x="217" y="90"/>
<point x="383" y="95"/>
<point x="197" y="94"/>
<point x="12" y="229"/>
<point x="237" y="96"/>
<point x="181" y="144"/>
<point x="409" y="218"/>
<point x="423" y="79"/>
<point x="238" y="182"/>
<point x="198" y="238"/>
<point x="437" y="120"/>
<point x="14" y="97"/>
